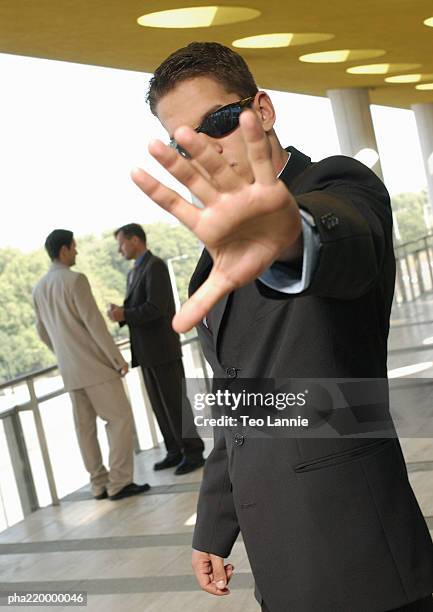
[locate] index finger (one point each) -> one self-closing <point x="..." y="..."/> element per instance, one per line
<point x="166" y="198"/>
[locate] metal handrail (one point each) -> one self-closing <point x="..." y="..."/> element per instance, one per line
<point x="42" y="371"/>
<point x="414" y="277"/>
<point x="24" y="377"/>
<point x="124" y="343"/>
<point x="15" y="437"/>
<point x="404" y="245"/>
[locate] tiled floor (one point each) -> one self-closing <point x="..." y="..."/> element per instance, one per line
<point x="134" y="555"/>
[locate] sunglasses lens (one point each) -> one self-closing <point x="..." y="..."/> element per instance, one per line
<point x="221" y="122"/>
<point x="217" y="124"/>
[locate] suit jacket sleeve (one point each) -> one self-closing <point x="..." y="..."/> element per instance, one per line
<point x="216" y="527"/>
<point x="156" y="289"/>
<point x="40" y="327"/>
<point x="352" y="213"/>
<point x="94" y="322"/>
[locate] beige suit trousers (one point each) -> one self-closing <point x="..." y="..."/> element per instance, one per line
<point x="108" y="401"/>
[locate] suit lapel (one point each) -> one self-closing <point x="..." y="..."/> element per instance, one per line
<point x="201" y="272"/>
<point x="138" y="273"/>
<point x="297" y="164"/>
<point x="217" y="314"/>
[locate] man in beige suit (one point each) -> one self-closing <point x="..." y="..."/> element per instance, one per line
<point x="70" y="324"/>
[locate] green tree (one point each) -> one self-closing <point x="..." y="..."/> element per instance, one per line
<point x="21" y="351"/>
<point x="409" y="210"/>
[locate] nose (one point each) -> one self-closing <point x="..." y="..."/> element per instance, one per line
<point x="215" y="143"/>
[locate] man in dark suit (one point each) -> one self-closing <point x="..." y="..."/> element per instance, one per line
<point x="296" y="281"/>
<point x="148" y="310"/>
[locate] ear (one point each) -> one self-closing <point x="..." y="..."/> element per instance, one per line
<point x="265" y="110"/>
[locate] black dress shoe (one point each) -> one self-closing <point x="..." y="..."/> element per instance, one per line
<point x="102" y="495"/>
<point x="129" y="490"/>
<point x="168" y="462"/>
<point x="188" y="465"/>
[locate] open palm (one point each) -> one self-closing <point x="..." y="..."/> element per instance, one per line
<point x="244" y="225"/>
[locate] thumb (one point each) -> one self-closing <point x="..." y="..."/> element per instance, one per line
<point x="200" y="303"/>
<point x="229" y="569"/>
<point x="218" y="571"/>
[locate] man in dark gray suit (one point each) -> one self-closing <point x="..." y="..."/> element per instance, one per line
<point x="296" y="281"/>
<point x="147" y="311"/>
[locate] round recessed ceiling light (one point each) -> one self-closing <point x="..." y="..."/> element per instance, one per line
<point x="409" y="78"/>
<point x="429" y="22"/>
<point x="197" y="17"/>
<point x="341" y="55"/>
<point x="424" y="87"/>
<point x="381" y="68"/>
<point x="280" y="39"/>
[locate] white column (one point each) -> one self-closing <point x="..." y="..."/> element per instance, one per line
<point x="424" y="123"/>
<point x="351" y="109"/>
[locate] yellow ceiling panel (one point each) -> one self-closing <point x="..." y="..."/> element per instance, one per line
<point x="106" y="33"/>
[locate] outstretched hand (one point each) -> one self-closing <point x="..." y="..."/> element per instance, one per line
<point x="245" y="226"/>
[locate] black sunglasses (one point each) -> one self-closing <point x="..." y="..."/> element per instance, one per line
<point x="219" y="123"/>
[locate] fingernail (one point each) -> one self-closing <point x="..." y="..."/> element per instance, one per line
<point x="220" y="584"/>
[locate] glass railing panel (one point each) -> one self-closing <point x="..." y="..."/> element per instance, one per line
<point x="425" y="271"/>
<point x="48" y="383"/>
<point x="58" y="423"/>
<point x="14" y="395"/>
<point x="138" y="398"/>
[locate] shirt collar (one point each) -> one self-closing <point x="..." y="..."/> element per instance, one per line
<point x="284" y="167"/>
<point x="140" y="259"/>
<point x="55" y="264"/>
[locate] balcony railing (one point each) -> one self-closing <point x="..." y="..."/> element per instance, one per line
<point x="27" y="470"/>
<point x="414" y="269"/>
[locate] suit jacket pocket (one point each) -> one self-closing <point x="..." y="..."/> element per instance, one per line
<point x="339" y="458"/>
